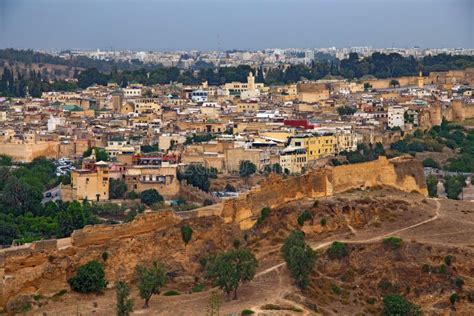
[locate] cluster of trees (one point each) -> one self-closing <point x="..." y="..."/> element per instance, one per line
<point x="198" y="176"/>
<point x="299" y="258"/>
<point x="363" y="153"/>
<point x="14" y="84"/>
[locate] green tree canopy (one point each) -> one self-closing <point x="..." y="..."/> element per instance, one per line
<point x="90" y="278"/>
<point x="230" y="269"/>
<point x="150" y="197"/>
<point x="150" y="280"/>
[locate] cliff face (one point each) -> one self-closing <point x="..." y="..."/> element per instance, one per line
<point x="44" y="267"/>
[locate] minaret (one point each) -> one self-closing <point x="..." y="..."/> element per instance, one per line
<point x="421" y="81"/>
<point x="251" y="81"/>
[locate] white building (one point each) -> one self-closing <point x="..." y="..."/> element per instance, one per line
<point x="53" y="122"/>
<point x="396" y="116"/>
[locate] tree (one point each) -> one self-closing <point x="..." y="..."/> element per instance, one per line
<point x="432" y="185"/>
<point x="124" y="304"/>
<point x="337" y="250"/>
<point x="90" y="278"/>
<point x="430" y="163"/>
<point x="75" y="216"/>
<point x="5" y="160"/>
<point x="453" y="186"/>
<point x="394" y="305"/>
<point x="394" y="83"/>
<point x="246" y="168"/>
<point x="230" y="269"/>
<point x="100" y="153"/>
<point x="117" y="189"/>
<point x="299" y="258"/>
<point x="150" y="197"/>
<point x="186" y="233"/>
<point x="346" y="110"/>
<point x="196" y="175"/>
<point x="150" y="280"/>
<point x="454" y="298"/>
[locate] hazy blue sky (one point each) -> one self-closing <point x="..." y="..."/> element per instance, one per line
<point x="239" y="24"/>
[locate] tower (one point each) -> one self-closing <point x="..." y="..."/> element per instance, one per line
<point x="421" y="81"/>
<point x="117" y="99"/>
<point x="250" y="81"/>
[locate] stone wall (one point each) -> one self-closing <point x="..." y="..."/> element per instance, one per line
<point x="26" y="152"/>
<point x="403" y="173"/>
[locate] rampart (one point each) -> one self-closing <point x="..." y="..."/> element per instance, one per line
<point x="43" y="267"/>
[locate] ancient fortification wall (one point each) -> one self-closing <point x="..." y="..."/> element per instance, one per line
<point x="44" y="267"/>
<point x="26" y="152"/>
<point x="402" y="173"/>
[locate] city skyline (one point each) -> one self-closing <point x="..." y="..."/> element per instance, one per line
<point x="208" y="25"/>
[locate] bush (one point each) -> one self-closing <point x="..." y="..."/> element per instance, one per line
<point x="124" y="304"/>
<point x="448" y="260"/>
<point x="105" y="256"/>
<point x="337" y="250"/>
<point x="398" y="305"/>
<point x="459" y="282"/>
<point x="198" y="288"/>
<point x="247" y="312"/>
<point x="392" y="242"/>
<point x="443" y="269"/>
<point x="305" y="216"/>
<point x="90" y="278"/>
<point x="454" y="298"/>
<point x="263" y="215"/>
<point x="430" y="163"/>
<point x="323" y="221"/>
<point x="132" y="195"/>
<point x="432" y="185"/>
<point x="150" y="197"/>
<point x="171" y="293"/>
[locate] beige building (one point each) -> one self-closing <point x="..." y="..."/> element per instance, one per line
<point x="293" y="159"/>
<point x="234" y="156"/>
<point x="91" y="184"/>
<point x="162" y="178"/>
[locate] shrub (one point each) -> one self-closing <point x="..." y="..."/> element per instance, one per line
<point x="371" y="300"/>
<point x="171" y="293"/>
<point x="337" y="250"/>
<point x="323" y="221"/>
<point x="443" y="269"/>
<point x="198" y="288"/>
<point x="454" y="298"/>
<point x="426" y="268"/>
<point x="305" y="216"/>
<point x="263" y="215"/>
<point x="186" y="234"/>
<point x="336" y="289"/>
<point x="124" y="304"/>
<point x="398" y="305"/>
<point x="392" y="242"/>
<point x="105" y="256"/>
<point x="431" y="163"/>
<point x="448" y="260"/>
<point x="90" y="278"/>
<point x="150" y="197"/>
<point x="132" y="195"/>
<point x="247" y="312"/>
<point x="459" y="282"/>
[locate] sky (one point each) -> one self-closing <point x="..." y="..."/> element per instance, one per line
<point x="169" y="25"/>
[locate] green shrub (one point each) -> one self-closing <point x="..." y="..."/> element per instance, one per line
<point x="263" y="215"/>
<point x="398" y="305"/>
<point x="171" y="293"/>
<point x="454" y="298"/>
<point x="90" y="278"/>
<point x="337" y="250"/>
<point x="459" y="282"/>
<point x="448" y="260"/>
<point x="443" y="269"/>
<point x="392" y="242"/>
<point x="323" y="221"/>
<point x="336" y="289"/>
<point x="105" y="256"/>
<point x="247" y="312"/>
<point x="371" y="300"/>
<point x="198" y="288"/>
<point x="305" y="216"/>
